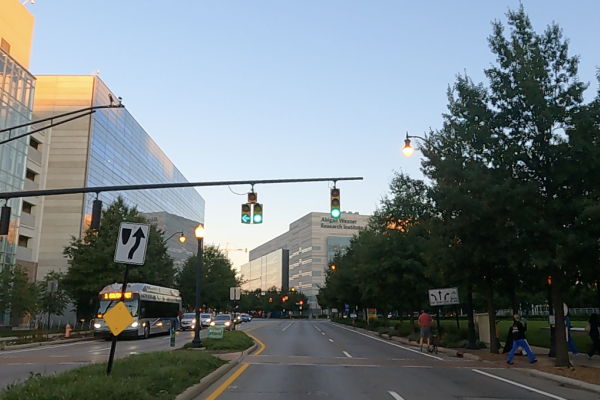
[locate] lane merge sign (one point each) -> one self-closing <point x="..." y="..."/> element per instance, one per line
<point x="132" y="243"/>
<point x="443" y="297"/>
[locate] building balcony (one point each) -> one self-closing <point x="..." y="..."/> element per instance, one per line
<point x="27" y="220"/>
<point x="34" y="156"/>
<point x="24" y="253"/>
<point x="31" y="185"/>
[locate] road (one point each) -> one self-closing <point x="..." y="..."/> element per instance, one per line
<point x="304" y="359"/>
<point x="18" y="364"/>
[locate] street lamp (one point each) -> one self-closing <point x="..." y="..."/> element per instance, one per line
<point x="199" y="233"/>
<point x="408" y="149"/>
<point x="182" y="238"/>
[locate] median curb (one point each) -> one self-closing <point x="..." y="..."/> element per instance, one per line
<point x="48" y="343"/>
<point x="194" y="391"/>
<point x="561" y="379"/>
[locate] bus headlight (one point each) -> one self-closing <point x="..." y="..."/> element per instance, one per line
<point x="134" y="324"/>
<point x="97" y="325"/>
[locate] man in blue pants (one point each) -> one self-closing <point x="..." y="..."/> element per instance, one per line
<point x="518" y="335"/>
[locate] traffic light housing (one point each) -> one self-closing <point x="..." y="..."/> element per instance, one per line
<point x="246" y="214"/>
<point x="257" y="218"/>
<point x="252" y="197"/>
<point x="335" y="203"/>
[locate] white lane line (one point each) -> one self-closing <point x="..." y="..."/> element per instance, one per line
<point x="58" y="356"/>
<point x="346" y="354"/>
<point x="395" y="395"/>
<point x="331" y="340"/>
<point x="46" y="347"/>
<point x="316" y="327"/>
<point x="75" y="363"/>
<point x="93" y="351"/>
<point x="552" y="396"/>
<point x="391" y="344"/>
<point x="323" y="333"/>
<point x="287" y="326"/>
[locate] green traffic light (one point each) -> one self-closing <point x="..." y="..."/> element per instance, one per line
<point x="257" y="218"/>
<point x="335" y="213"/>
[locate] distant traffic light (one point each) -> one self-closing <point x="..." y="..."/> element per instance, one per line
<point x="257" y="218"/>
<point x="301" y="302"/>
<point x="283" y="299"/>
<point x="333" y="267"/>
<point x="246" y="214"/>
<point x="293" y="289"/>
<point x="270" y="299"/>
<point x="335" y="203"/>
<point x="4" y="220"/>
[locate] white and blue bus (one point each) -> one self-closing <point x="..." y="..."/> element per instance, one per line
<point x="154" y="309"/>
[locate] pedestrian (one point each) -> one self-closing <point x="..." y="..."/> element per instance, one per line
<point x="518" y="336"/>
<point x="568" y="333"/>
<point x="426" y="322"/>
<point x="593" y="329"/>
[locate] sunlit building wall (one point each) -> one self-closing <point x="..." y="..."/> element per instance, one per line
<point x="266" y="272"/>
<point x="107" y="148"/>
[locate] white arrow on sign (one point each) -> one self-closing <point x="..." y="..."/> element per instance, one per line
<point x="442" y="297"/>
<point x="132" y="243"/>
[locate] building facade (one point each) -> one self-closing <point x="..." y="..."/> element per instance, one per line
<point x="312" y="241"/>
<point x="106" y="148"/>
<point x="270" y="270"/>
<point x="16" y="107"/>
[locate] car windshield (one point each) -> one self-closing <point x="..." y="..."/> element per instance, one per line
<point x="205" y="315"/>
<point x="222" y="317"/>
<point x="189" y="315"/>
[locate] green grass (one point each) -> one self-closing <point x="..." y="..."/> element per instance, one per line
<point x="150" y="376"/>
<point x="541" y="338"/>
<point x="232" y="340"/>
<point x="30" y="332"/>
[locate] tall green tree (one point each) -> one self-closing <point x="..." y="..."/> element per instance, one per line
<point x="218" y="276"/>
<point x="56" y="302"/>
<point x="91" y="265"/>
<point x="18" y="295"/>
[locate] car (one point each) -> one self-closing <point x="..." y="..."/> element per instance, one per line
<point x="188" y="321"/>
<point x="246" y="318"/>
<point x="206" y="318"/>
<point x="237" y="318"/>
<point x="224" y="320"/>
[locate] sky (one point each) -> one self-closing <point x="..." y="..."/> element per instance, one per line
<point x="241" y="90"/>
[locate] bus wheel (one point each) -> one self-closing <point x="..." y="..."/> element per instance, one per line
<point x="146" y="332"/>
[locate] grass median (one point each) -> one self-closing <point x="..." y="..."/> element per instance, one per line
<point x="232" y="341"/>
<point x="157" y="375"/>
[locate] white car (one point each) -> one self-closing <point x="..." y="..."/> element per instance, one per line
<point x="188" y="321"/>
<point x="206" y="319"/>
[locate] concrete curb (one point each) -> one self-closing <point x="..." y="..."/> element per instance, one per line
<point x="49" y="343"/>
<point x="561" y="379"/>
<point x="194" y="391"/>
<point x="470" y="356"/>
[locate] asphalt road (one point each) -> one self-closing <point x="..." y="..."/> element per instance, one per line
<point x="18" y="364"/>
<point x="304" y="359"/>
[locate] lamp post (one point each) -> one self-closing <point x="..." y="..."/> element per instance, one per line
<point x="408" y="149"/>
<point x="199" y="233"/>
<point x="182" y="238"/>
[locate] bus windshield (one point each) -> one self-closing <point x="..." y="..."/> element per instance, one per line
<point x="106" y="305"/>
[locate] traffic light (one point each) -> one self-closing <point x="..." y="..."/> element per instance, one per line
<point x="246" y="214"/>
<point x="257" y="218"/>
<point x="293" y="289"/>
<point x="301" y="302"/>
<point x="333" y="267"/>
<point x="270" y="299"/>
<point x="335" y="203"/>
<point x="252" y="197"/>
<point x="4" y="220"/>
<point x="283" y="299"/>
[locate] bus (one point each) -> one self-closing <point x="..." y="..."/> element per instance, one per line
<point x="154" y="309"/>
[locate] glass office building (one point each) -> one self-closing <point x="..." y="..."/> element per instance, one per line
<point x="266" y="272"/>
<point x="122" y="153"/>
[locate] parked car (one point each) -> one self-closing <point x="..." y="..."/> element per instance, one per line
<point x="188" y="321"/>
<point x="224" y="320"/>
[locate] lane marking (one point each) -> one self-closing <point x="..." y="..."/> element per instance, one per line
<point x="60" y="356"/>
<point x="261" y="344"/>
<point x="331" y="340"/>
<point x="314" y="364"/>
<point x="287" y="326"/>
<point x="323" y="333"/>
<point x="228" y="382"/>
<point x="346" y="354"/>
<point x="316" y="327"/>
<point x="47" y="347"/>
<point x="75" y="363"/>
<point x="97" y="350"/>
<point x="391" y="344"/>
<point x="552" y="396"/>
<point x="395" y="395"/>
<point x="259" y="326"/>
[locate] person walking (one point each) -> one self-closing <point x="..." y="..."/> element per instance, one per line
<point x="518" y="336"/>
<point x="593" y="329"/>
<point x="569" y="336"/>
<point x="426" y="322"/>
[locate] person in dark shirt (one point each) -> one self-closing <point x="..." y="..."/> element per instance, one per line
<point x="594" y="327"/>
<point x="518" y="336"/>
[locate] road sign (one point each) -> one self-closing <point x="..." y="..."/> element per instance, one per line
<point x="443" y="297"/>
<point x="132" y="243"/>
<point x="118" y="318"/>
<point x="215" y="332"/>
<point x="235" y="293"/>
<point x="52" y="286"/>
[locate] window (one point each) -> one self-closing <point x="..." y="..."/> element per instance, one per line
<point x="30" y="175"/>
<point x="155" y="309"/>
<point x="34" y="143"/>
<point x="28" y="207"/>
<point x="5" y="45"/>
<point x="23" y="241"/>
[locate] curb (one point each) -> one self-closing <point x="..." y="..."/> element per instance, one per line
<point x="194" y="391"/>
<point x="561" y="379"/>
<point x="48" y="343"/>
<point x="470" y="356"/>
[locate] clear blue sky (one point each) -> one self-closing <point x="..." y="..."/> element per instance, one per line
<point x="287" y="89"/>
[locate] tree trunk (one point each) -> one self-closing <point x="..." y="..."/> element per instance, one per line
<point x="494" y="348"/>
<point x="472" y="344"/>
<point x="513" y="300"/>
<point x="598" y="292"/>
<point x="562" y="354"/>
<point x="411" y="316"/>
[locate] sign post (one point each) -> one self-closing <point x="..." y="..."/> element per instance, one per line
<point x="131" y="250"/>
<point x="235" y="294"/>
<point x="52" y="288"/>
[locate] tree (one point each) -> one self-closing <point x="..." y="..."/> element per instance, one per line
<point x="18" y="296"/>
<point x="91" y="265"/>
<point x="218" y="276"/>
<point x="55" y="302"/>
